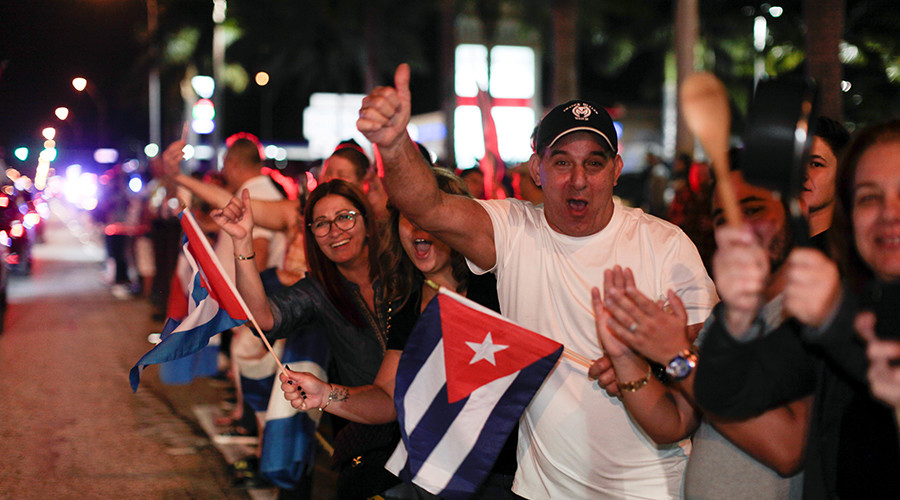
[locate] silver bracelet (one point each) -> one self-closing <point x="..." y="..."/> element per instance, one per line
<point x="330" y="398"/>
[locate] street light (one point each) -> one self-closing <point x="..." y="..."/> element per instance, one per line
<point x="81" y="84"/>
<point x="265" y="103"/>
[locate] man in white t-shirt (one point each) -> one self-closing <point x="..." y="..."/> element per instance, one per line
<point x="575" y="439"/>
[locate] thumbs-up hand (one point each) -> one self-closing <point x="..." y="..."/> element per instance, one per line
<point x="385" y="112"/>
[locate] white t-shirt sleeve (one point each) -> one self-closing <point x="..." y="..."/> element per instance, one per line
<point x="502" y="214"/>
<point x="687" y="276"/>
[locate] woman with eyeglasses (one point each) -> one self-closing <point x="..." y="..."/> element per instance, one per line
<point x="342" y="295"/>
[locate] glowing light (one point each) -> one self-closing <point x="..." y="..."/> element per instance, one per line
<point x="204" y="86"/>
<point x="79" y="83"/>
<point x="40" y="175"/>
<point x="188" y="151"/>
<point x="135" y="184"/>
<point x="131" y="166"/>
<point x="88" y="203"/>
<point x="48" y="155"/>
<point x="846" y="86"/>
<point x="31" y="219"/>
<point x="4" y="238"/>
<point x="776" y="11"/>
<point x="49" y="133"/>
<point x="151" y="150"/>
<point x="271" y="151"/>
<point x="106" y="156"/>
<point x="759" y="33"/>
<point x="4" y="201"/>
<point x="17" y="230"/>
<point x="21" y="153"/>
<point x="49" y="144"/>
<point x="262" y="78"/>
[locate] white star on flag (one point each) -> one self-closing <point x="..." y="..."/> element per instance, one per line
<point x="485" y="350"/>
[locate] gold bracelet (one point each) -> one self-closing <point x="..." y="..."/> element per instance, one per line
<point x="249" y="257"/>
<point x="330" y="398"/>
<point x="635" y="385"/>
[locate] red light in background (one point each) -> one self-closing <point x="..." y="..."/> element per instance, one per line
<point x="4" y="201"/>
<point x="17" y="231"/>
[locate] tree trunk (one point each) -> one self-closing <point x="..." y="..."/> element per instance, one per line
<point x="565" y="49"/>
<point x="824" y="21"/>
<point x="687" y="28"/>
<point x="447" y="72"/>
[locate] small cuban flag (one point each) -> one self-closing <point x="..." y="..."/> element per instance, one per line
<point x="214" y="305"/>
<point x="464" y="379"/>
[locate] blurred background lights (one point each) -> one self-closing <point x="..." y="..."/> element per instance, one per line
<point x="188" y="151"/>
<point x="31" y="219"/>
<point x="131" y="165"/>
<point x="49" y="133"/>
<point x="62" y="112"/>
<point x="47" y="155"/>
<point x="776" y="11"/>
<point x="262" y="78"/>
<point x="79" y="83"/>
<point x="106" y="156"/>
<point x="271" y="151"/>
<point x="204" y="86"/>
<point x="21" y="153"/>
<point x="846" y="86"/>
<point x="135" y="184"/>
<point x="151" y="150"/>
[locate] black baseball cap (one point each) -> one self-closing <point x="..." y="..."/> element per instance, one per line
<point x="574" y="116"/>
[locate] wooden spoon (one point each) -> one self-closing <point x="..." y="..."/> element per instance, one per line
<point x="704" y="104"/>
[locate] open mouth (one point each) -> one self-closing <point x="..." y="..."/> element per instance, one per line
<point x="576" y="205"/>
<point x="422" y="246"/>
<point x="338" y="244"/>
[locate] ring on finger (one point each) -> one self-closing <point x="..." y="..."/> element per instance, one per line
<point x="633" y="327"/>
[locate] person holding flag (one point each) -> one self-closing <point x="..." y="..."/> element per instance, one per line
<point x="418" y="258"/>
<point x="344" y="294"/>
<point x="575" y="440"/>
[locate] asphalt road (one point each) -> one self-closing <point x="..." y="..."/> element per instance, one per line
<point x="70" y="426"/>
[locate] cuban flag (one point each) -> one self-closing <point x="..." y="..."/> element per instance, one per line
<point x="289" y="437"/>
<point x="213" y="304"/>
<point x="464" y="379"/>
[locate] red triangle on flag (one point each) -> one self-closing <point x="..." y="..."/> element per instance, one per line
<point x="480" y="348"/>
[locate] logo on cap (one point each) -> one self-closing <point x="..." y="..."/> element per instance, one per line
<point x="581" y="111"/>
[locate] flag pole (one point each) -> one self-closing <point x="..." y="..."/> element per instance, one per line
<point x="569" y="354"/>
<point x="215" y="261"/>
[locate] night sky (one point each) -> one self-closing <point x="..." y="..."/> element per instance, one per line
<point x="46" y="43"/>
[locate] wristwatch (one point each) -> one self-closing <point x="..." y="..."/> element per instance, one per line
<point x="682" y="364"/>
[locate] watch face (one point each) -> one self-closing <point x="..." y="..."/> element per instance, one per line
<point x="679" y="368"/>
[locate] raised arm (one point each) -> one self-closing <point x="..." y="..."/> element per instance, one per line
<point x="236" y="219"/>
<point x="275" y="215"/>
<point x="458" y="221"/>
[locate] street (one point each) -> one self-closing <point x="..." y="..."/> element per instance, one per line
<point x="71" y="426"/>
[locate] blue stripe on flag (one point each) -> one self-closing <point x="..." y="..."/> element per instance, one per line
<point x="288" y="444"/>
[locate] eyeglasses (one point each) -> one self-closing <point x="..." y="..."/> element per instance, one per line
<point x="344" y="221"/>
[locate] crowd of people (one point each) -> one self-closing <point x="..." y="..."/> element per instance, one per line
<point x="729" y="360"/>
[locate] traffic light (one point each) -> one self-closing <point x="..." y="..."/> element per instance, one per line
<point x="203" y="113"/>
